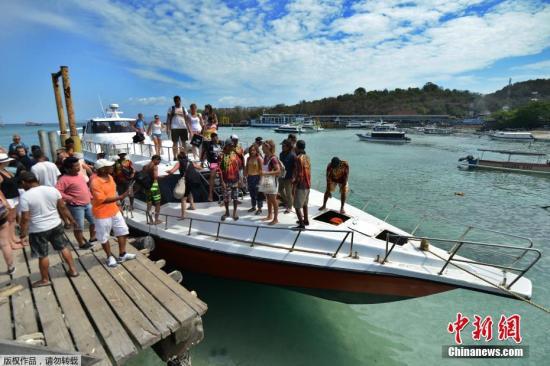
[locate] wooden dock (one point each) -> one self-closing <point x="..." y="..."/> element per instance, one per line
<point x="109" y="314"/>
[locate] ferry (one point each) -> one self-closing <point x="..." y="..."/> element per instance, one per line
<point x="29" y="123"/>
<point x="434" y="130"/>
<point x="512" y="136"/>
<point x="297" y="129"/>
<point x="351" y="256"/>
<point x="386" y="133"/>
<point x="538" y="167"/>
<point x="360" y="124"/>
<point x="276" y="120"/>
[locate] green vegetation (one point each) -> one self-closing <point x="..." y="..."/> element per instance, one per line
<point x="530" y="116"/>
<point x="430" y="99"/>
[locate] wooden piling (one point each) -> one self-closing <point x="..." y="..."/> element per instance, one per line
<point x="52" y="138"/>
<point x="69" y="105"/>
<point x="59" y="106"/>
<point x="43" y="140"/>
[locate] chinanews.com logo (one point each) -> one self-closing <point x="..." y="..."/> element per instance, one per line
<point x="508" y="328"/>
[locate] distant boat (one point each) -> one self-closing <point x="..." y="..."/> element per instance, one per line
<point x="289" y="129"/>
<point x="434" y="130"/>
<point x="540" y="167"/>
<point x="29" y="123"/>
<point x="311" y="126"/>
<point x="387" y="133"/>
<point x="512" y="136"/>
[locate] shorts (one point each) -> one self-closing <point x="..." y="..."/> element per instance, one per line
<point x="301" y="198"/>
<point x="157" y="135"/>
<point x="153" y="194"/>
<point x="177" y="134"/>
<point x="81" y="212"/>
<point x="344" y="188"/>
<point x="103" y="227"/>
<point x="39" y="241"/>
<point x="231" y="191"/>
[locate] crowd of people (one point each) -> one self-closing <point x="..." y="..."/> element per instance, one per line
<point x="43" y="198"/>
<point x="39" y="199"/>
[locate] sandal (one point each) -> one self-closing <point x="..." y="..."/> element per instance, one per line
<point x="38" y="284"/>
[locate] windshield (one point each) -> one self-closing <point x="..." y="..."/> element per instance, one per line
<point x="109" y="126"/>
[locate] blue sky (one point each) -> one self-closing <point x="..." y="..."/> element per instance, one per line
<point x="258" y="52"/>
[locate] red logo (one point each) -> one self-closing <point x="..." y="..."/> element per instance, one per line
<point x="508" y="327"/>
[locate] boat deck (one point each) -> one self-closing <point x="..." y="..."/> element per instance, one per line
<point x="110" y="314"/>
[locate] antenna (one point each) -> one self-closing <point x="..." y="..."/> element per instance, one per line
<point x="101" y="105"/>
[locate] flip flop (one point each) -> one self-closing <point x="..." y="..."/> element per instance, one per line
<point x="38" y="284"/>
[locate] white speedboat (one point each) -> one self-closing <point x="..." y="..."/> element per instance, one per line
<point x="512" y="136"/>
<point x="310" y="126"/>
<point x="386" y="133"/>
<point x="289" y="129"/>
<point x="113" y="134"/>
<point x="352" y="257"/>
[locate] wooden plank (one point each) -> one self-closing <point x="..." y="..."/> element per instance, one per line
<point x="85" y="338"/>
<point x="114" y="336"/>
<point x="174" y="304"/>
<point x="195" y="303"/>
<point x="24" y="314"/>
<point x="55" y="332"/>
<point x="153" y="309"/>
<point x="135" y="322"/>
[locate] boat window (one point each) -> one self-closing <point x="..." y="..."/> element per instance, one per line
<point x="110" y="126"/>
<point x="332" y="217"/>
<point x="393" y="238"/>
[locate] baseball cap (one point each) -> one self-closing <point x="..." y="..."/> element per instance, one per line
<point x="228" y="142"/>
<point x="234" y="137"/>
<point x="102" y="163"/>
<point x="259" y="139"/>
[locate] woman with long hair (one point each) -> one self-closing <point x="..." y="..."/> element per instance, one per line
<point x="197" y="125"/>
<point x="210" y="121"/>
<point x="268" y="183"/>
<point x="155" y="131"/>
<point x="8" y="186"/>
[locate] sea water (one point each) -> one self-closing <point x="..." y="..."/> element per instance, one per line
<point x="253" y="324"/>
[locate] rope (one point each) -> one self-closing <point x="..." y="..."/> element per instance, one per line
<point x="510" y="293"/>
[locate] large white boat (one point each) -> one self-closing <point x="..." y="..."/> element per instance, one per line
<point x="512" y="136"/>
<point x="386" y="133"/>
<point x="296" y="128"/>
<point x="352" y="257"/>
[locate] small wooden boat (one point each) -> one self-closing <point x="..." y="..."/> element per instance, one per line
<point x="538" y="167"/>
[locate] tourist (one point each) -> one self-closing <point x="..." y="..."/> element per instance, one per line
<point x="42" y="209"/>
<point x="258" y="143"/>
<point x="8" y="186"/>
<point x="230" y="166"/>
<point x="107" y="214"/>
<point x="61" y="154"/>
<point x="252" y="172"/>
<point x="124" y="173"/>
<point x="177" y="126"/>
<point x="292" y="138"/>
<point x="268" y="182"/>
<point x="46" y="171"/>
<point x="5" y="239"/>
<point x="13" y="146"/>
<point x="337" y="174"/>
<point x="192" y="178"/>
<point x="238" y="149"/>
<point x="287" y="158"/>
<point x="24" y="163"/>
<point x="197" y="125"/>
<point x="212" y="151"/>
<point x="210" y="122"/>
<point x="77" y="197"/>
<point x="152" y="192"/>
<point x="302" y="184"/>
<point x="155" y="131"/>
<point x="139" y="124"/>
<point x="69" y="147"/>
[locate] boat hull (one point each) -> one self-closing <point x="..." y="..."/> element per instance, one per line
<point x="528" y="168"/>
<point x="384" y="140"/>
<point x="337" y="285"/>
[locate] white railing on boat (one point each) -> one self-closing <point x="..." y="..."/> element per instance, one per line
<point x="146" y="150"/>
<point x="458" y="244"/>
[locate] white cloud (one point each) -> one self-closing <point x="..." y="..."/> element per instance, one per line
<point x="162" y="100"/>
<point x="244" y="56"/>
<point x="536" y="66"/>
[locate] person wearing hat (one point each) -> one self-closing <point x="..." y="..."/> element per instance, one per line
<point x="42" y="209"/>
<point x="124" y="173"/>
<point x="107" y="214"/>
<point x="287" y="157"/>
<point x="230" y="166"/>
<point x="258" y="143"/>
<point x="337" y="174"/>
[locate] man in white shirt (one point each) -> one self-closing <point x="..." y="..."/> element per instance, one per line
<point x="45" y="171"/>
<point x="41" y="211"/>
<point x="177" y="125"/>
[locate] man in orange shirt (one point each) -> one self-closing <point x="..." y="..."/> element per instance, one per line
<point x="107" y="214"/>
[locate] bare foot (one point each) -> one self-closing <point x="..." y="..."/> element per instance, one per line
<point x="158" y="222"/>
<point x="40" y="283"/>
<point x="181" y="218"/>
<point x="322" y="208"/>
<point x="342" y="211"/>
<point x="274" y="222"/>
<point x="267" y="218"/>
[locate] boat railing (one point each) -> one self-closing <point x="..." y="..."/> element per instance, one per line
<point x="347" y="235"/>
<point x="145" y="149"/>
<point x="519" y="263"/>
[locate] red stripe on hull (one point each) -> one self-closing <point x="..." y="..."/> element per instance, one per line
<point x="301" y="276"/>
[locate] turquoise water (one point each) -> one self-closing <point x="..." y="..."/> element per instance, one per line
<point x="251" y="324"/>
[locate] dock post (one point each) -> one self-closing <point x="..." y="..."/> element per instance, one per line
<point x="43" y="140"/>
<point x="52" y="138"/>
<point x="69" y="105"/>
<point x="59" y="104"/>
